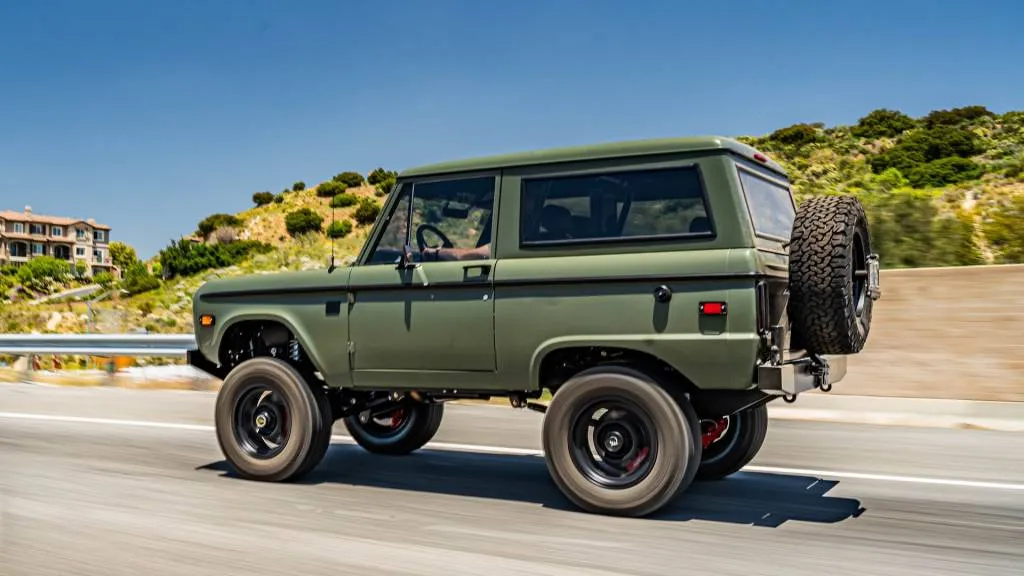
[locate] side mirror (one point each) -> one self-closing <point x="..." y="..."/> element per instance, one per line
<point x="407" y="260"/>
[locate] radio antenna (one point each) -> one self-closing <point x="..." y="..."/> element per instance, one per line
<point x="330" y="235"/>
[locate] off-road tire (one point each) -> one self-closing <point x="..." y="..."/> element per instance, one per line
<point x="422" y="424"/>
<point x="306" y="444"/>
<point x="323" y="439"/>
<point x="830" y="311"/>
<point x="738" y="445"/>
<point x="675" y="459"/>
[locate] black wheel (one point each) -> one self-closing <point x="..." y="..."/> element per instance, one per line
<point x="406" y="428"/>
<point x="616" y="442"/>
<point x="737" y="439"/>
<point x="270" y="423"/>
<point x="828" y="275"/>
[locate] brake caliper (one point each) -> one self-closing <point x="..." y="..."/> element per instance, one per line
<point x="713" y="430"/>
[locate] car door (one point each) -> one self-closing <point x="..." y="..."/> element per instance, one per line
<point x="411" y="314"/>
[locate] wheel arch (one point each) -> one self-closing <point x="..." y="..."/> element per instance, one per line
<point x="246" y="322"/>
<point x="558" y="359"/>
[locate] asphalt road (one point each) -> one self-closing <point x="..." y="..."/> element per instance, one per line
<point x="90" y="483"/>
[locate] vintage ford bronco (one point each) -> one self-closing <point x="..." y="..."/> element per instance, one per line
<point x="662" y="291"/>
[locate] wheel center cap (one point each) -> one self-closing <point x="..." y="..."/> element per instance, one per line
<point x="261" y="420"/>
<point x="613" y="441"/>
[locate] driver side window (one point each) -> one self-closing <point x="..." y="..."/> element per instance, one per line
<point x="454" y="215"/>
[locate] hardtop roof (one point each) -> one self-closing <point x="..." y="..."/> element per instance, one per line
<point x="600" y="151"/>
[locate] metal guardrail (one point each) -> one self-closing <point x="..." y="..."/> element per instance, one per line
<point x="97" y="344"/>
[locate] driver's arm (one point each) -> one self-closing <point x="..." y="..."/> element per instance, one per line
<point x="479" y="253"/>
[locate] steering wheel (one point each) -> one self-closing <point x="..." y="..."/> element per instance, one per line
<point x="421" y="241"/>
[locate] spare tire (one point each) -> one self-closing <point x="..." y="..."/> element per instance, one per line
<point x="830" y="251"/>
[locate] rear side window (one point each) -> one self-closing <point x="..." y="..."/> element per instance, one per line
<point x="610" y="206"/>
<point x="771" y="205"/>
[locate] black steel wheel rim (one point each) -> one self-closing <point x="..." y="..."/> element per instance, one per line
<point x="613" y="442"/>
<point x="387" y="425"/>
<point x="262" y="421"/>
<point x="860" y="274"/>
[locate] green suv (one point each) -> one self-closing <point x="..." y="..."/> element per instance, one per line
<point x="662" y="291"/>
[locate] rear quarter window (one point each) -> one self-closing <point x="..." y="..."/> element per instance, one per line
<point x="770" y="203"/>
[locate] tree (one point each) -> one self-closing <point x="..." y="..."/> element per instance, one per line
<point x="298" y="186"/>
<point x="302" y="221"/>
<point x="262" y="198"/>
<point x="349" y="179"/>
<point x="137" y="279"/>
<point x="122" y="255"/>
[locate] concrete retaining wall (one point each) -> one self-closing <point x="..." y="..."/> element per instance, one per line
<point x="944" y="333"/>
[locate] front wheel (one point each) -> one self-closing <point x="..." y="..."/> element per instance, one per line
<point x="271" y="425"/>
<point x="617" y="443"/>
<point x="406" y="428"/>
<point x="736" y="439"/>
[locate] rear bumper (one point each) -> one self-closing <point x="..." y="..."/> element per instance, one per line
<point x="801" y="375"/>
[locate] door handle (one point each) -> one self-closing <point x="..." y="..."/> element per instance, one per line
<point x="476" y="271"/>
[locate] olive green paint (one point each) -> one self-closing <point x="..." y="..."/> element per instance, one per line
<point x="486" y="325"/>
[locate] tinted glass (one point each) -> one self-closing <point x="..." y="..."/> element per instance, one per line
<point x="614" y="205"/>
<point x="771" y="205"/>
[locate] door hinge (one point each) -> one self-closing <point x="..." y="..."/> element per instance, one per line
<point x="351" y="351"/>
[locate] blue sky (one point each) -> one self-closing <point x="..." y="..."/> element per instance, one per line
<point x="150" y="114"/>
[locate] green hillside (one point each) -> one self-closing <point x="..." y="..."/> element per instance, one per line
<point x="946" y="189"/>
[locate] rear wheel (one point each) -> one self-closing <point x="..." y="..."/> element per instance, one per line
<point x="404" y="429"/>
<point x="271" y="425"/>
<point x="734" y="441"/>
<point x="616" y="442"/>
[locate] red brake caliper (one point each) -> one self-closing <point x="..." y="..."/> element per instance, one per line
<point x="396" y="418"/>
<point x="632" y="464"/>
<point x="713" y="432"/>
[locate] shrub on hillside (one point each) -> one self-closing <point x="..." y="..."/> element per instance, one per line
<point x="298" y="186"/>
<point x="278" y="198"/>
<point x="339" y="229"/>
<point x="104" y="279"/>
<point x="380" y="175"/>
<point x="882" y="123"/>
<point x="262" y="198"/>
<point x="302" y="221"/>
<point x="330" y="189"/>
<point x="137" y="279"/>
<point x="349" y="179"/>
<point x="944" y="171"/>
<point x="907" y="231"/>
<point x="343" y="200"/>
<point x="1005" y="230"/>
<point x="43" y="268"/>
<point x="366" y="212"/>
<point x="796" y="135"/>
<point x="214" y="221"/>
<point x="956" y="116"/>
<point x="185" y="258"/>
<point x="926" y="146"/>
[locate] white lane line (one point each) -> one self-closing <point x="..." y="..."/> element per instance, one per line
<point x="480" y="449"/>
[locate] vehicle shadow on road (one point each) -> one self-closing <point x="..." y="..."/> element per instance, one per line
<point x="752" y="498"/>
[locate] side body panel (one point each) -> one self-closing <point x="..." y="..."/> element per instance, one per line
<point x="312" y="305"/>
<point x="603" y="294"/>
